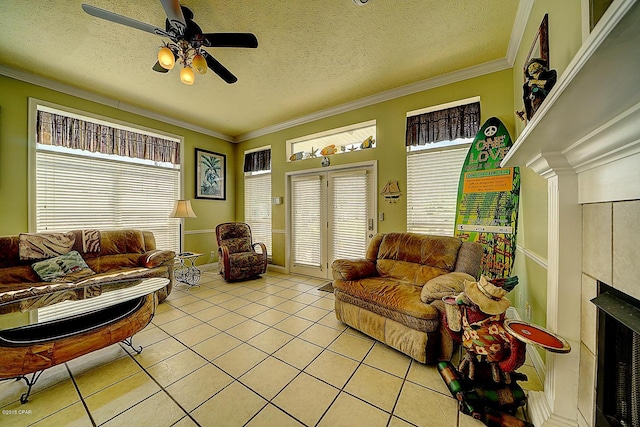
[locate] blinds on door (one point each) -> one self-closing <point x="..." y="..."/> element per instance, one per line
<point x="349" y="215"/>
<point x="77" y="191"/>
<point x="257" y="207"/>
<point x="432" y="188"/>
<point x="306" y="211"/>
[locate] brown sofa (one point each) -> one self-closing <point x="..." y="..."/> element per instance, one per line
<point x="395" y="294"/>
<point x="110" y="255"/>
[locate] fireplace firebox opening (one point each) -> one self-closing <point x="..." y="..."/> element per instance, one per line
<point x="618" y="370"/>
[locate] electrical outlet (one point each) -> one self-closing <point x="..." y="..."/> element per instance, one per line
<point x="213" y="254"/>
<point x="527" y="312"/>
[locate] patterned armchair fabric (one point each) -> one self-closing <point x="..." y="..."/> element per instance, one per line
<point x="237" y="255"/>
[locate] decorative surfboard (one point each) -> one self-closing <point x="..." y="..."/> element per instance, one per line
<point x="488" y="197"/>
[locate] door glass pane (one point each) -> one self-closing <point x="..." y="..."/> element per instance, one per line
<point x="306" y="202"/>
<point x="349" y="215"/>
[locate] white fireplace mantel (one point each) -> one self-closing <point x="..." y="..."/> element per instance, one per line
<point x="589" y="115"/>
<point x="585" y="140"/>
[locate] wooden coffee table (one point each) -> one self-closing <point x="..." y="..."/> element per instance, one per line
<point x="69" y="323"/>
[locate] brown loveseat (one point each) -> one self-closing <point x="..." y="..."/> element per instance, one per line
<point x="110" y="256"/>
<point x="395" y="294"/>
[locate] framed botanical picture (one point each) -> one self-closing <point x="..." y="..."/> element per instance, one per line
<point x="211" y="175"/>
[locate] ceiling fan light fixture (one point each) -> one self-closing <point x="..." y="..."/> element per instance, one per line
<point x="166" y="58"/>
<point x="199" y="64"/>
<point x="187" y="76"/>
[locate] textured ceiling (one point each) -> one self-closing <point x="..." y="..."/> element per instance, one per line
<point x="312" y="55"/>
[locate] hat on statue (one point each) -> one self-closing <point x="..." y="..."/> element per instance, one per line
<point x="487" y="296"/>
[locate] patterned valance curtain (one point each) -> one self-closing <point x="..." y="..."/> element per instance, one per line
<point x="257" y="161"/>
<point x="444" y="125"/>
<point x="70" y="132"/>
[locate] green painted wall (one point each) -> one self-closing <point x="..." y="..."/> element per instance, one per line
<point x="14" y="176"/>
<point x="495" y="91"/>
<point x="565" y="38"/>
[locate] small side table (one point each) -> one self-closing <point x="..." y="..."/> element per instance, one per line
<point x="187" y="272"/>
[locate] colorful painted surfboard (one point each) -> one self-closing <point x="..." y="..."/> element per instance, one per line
<point x="488" y="197"/>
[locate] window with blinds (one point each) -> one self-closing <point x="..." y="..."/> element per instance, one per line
<point x="257" y="207"/>
<point x="350" y="200"/>
<point x="306" y="215"/>
<point x="432" y="188"/>
<point x="76" y="189"/>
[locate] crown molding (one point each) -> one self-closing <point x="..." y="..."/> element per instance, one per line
<point x="109" y="102"/>
<point x="519" y="26"/>
<point x="443" y="80"/>
<point x="522" y="16"/>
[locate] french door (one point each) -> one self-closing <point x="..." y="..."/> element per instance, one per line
<point x="331" y="217"/>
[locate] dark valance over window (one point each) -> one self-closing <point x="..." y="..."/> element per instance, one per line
<point x="70" y="132"/>
<point x="257" y="161"/>
<point x="444" y="125"/>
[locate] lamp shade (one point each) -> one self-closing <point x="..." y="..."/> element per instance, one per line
<point x="186" y="75"/>
<point x="182" y="209"/>
<point x="199" y="64"/>
<point x="166" y="58"/>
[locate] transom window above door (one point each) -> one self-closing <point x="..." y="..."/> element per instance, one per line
<point x="359" y="136"/>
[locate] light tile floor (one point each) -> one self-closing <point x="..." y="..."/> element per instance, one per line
<point x="266" y="352"/>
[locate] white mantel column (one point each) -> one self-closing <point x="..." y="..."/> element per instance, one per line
<point x="558" y="404"/>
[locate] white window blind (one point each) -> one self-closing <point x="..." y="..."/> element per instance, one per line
<point x="80" y="191"/>
<point x="350" y="214"/>
<point x="306" y="205"/>
<point x="257" y="207"/>
<point x="432" y="187"/>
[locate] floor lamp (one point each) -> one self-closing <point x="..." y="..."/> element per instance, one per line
<point x="182" y="209"/>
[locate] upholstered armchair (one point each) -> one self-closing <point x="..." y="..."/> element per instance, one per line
<point x="237" y="255"/>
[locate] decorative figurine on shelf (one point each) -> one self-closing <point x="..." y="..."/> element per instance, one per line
<point x="367" y="143"/>
<point x="539" y="81"/>
<point x="329" y="149"/>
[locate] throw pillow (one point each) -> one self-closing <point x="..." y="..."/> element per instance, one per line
<point x="64" y="268"/>
<point x="444" y="286"/>
<point x="34" y="246"/>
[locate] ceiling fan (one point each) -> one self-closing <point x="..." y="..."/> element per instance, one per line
<point x="186" y="41"/>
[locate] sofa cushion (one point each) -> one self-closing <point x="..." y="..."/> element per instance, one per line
<point x="443" y="286"/>
<point x="413" y="252"/>
<point x="115" y="242"/>
<point x="388" y="294"/>
<point x="409" y="272"/>
<point x="436" y="251"/>
<point x="64" y="268"/>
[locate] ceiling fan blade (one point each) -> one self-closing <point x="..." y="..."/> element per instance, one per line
<point x="119" y="19"/>
<point x="230" y="40"/>
<point x="174" y="15"/>
<point x="219" y="69"/>
<point x="159" y="68"/>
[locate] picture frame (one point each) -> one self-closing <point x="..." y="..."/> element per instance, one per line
<point x="539" y="79"/>
<point x="540" y="45"/>
<point x="211" y="175"/>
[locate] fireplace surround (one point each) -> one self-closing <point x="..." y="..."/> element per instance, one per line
<point x="585" y="141"/>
